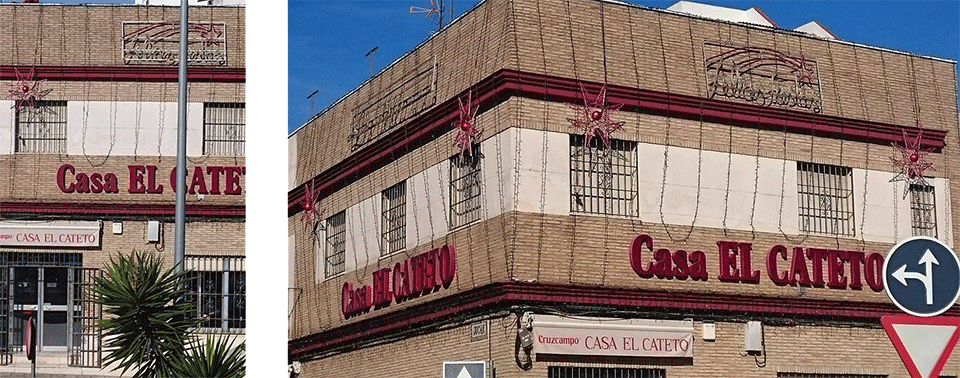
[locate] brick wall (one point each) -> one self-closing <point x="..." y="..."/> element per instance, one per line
<point x="565" y="39"/>
<point x="802" y="348"/>
<point x="33" y="178"/>
<point x="592" y="251"/>
<point x="90" y="35"/>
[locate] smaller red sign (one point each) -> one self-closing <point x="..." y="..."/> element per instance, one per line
<point x="924" y="344"/>
<point x="30" y="339"/>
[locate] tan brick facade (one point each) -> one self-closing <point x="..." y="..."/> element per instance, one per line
<point x="586" y="258"/>
<point x="801" y="348"/>
<point x="120" y="119"/>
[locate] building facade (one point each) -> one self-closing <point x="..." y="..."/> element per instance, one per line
<point x="597" y="189"/>
<point x="88" y="125"/>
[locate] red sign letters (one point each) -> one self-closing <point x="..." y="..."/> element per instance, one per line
<point x="143" y="179"/>
<point x="801" y="267"/>
<point x="414" y="277"/>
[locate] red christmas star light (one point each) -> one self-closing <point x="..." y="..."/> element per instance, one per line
<point x="910" y="158"/>
<point x="26" y="91"/>
<point x="593" y="117"/>
<point x="309" y="205"/>
<point x="467" y="131"/>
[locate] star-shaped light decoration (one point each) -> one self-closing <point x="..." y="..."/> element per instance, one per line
<point x="804" y="72"/>
<point x="26" y="91"/>
<point x="910" y="158"/>
<point x="467" y="131"/>
<point x="309" y="205"/>
<point x="211" y="34"/>
<point x="593" y="117"/>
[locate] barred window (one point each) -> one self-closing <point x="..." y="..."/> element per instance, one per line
<point x="923" y="210"/>
<point x="827" y="375"/>
<point x="597" y="372"/>
<point x="335" y="253"/>
<point x="603" y="180"/>
<point x="42" y="129"/>
<point x="825" y="198"/>
<point x="223" y="128"/>
<point x="216" y="285"/>
<point x="465" y="189"/>
<point x="394" y="219"/>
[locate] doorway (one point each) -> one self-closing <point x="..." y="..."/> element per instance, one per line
<point x="42" y="292"/>
<point x="42" y="286"/>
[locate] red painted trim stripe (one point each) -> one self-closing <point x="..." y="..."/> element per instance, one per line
<point x="505" y="294"/>
<point x="114" y="209"/>
<point x="503" y="84"/>
<point x="127" y="73"/>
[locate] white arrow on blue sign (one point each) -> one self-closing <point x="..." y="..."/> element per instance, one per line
<point x="922" y="276"/>
<point x="465" y="369"/>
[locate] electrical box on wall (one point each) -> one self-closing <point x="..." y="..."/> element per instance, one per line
<point x="709" y="331"/>
<point x="118" y="228"/>
<point x="153" y="231"/>
<point x="753" y="337"/>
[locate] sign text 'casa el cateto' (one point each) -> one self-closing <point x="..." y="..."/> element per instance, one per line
<point x="142" y="179"/>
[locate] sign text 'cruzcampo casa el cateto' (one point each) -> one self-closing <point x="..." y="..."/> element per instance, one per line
<point x="799" y="266"/>
<point x="142" y="179"/>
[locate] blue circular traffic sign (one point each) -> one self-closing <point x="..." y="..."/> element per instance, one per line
<point x="921" y="276"/>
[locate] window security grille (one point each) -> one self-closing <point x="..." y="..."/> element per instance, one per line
<point x="42" y="129"/>
<point x="923" y="211"/>
<point x="596" y="372"/>
<point x="336" y="250"/>
<point x="394" y="219"/>
<point x="825" y="198"/>
<point x="465" y="189"/>
<point x="827" y="375"/>
<point x="223" y="128"/>
<point x="217" y="287"/>
<point x="603" y="180"/>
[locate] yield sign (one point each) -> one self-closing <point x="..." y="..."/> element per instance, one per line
<point x="924" y="344"/>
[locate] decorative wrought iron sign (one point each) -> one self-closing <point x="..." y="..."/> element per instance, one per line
<point x="157" y="42"/>
<point x="411" y="95"/>
<point x="762" y="75"/>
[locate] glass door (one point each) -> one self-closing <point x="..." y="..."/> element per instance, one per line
<point x="54" y="331"/>
<point x="41" y="293"/>
<point x="26" y="300"/>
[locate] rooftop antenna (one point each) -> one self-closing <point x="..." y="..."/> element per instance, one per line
<point x="369" y="56"/>
<point x="310" y="97"/>
<point x="434" y="12"/>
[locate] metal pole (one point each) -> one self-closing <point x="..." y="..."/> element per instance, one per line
<point x="181" y="190"/>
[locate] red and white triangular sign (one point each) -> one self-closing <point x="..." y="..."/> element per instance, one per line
<point x="924" y="344"/>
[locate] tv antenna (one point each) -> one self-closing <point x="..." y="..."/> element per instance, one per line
<point x="369" y="56"/>
<point x="310" y="97"/>
<point x="435" y="12"/>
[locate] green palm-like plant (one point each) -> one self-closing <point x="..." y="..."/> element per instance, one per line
<point x="148" y="320"/>
<point x="216" y="357"/>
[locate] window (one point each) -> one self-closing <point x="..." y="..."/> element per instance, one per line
<point x="827" y="375"/>
<point x="596" y="372"/>
<point x="394" y="219"/>
<point x="825" y="198"/>
<point x="465" y="188"/>
<point x="42" y="129"/>
<point x="923" y="211"/>
<point x="335" y="252"/>
<point x="223" y="128"/>
<point x="217" y="287"/>
<point x="603" y="180"/>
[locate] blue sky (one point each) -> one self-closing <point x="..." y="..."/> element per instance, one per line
<point x="328" y="39"/>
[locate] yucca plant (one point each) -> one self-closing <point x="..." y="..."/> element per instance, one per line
<point x="211" y="356"/>
<point x="147" y="320"/>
